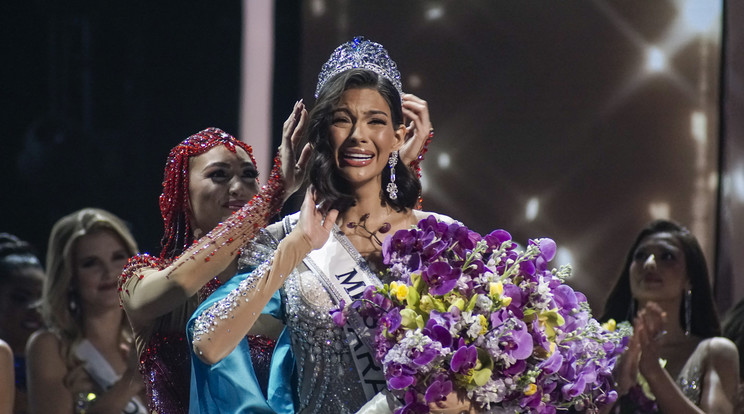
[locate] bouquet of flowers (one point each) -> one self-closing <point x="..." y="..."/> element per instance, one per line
<point x="472" y="314"/>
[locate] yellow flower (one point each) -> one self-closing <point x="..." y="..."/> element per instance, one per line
<point x="483" y="323"/>
<point x="531" y="389"/>
<point x="401" y="291"/>
<point x="496" y="289"/>
<point x="610" y="325"/>
<point x="506" y="301"/>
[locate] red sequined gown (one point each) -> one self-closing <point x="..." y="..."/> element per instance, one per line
<point x="164" y="351"/>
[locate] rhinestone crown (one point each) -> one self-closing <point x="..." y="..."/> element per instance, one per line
<point x="363" y="54"/>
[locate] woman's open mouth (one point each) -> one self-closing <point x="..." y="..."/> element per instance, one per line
<point x="357" y="158"/>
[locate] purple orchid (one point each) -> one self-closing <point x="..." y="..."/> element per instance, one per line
<point x="552" y="364"/>
<point x="400" y="376"/>
<point x="392" y="320"/>
<point x="441" y="278"/>
<point x="518" y="342"/>
<point x="438" y="391"/>
<point x="464" y="359"/>
<point x="438" y="333"/>
<point x="413" y="406"/>
<point x="496" y="238"/>
<point x="424" y="356"/>
<point x="338" y="316"/>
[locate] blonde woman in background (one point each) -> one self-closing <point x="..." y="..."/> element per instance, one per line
<point x="81" y="362"/>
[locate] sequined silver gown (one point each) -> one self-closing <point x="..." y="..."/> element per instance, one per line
<point x="326" y="375"/>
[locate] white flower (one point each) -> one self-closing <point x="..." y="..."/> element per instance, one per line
<point x="483" y="303"/>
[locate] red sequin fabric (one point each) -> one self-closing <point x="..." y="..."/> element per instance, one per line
<point x="164" y="365"/>
<point x="261" y="348"/>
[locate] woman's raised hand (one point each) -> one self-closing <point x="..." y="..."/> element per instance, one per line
<point x="293" y="168"/>
<point x="316" y="226"/>
<point x="648" y="328"/>
<point x="626" y="369"/>
<point x="415" y="110"/>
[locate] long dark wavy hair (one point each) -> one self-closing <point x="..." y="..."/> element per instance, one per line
<point x="704" y="322"/>
<point x="333" y="190"/>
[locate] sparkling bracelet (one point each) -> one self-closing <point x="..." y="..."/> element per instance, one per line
<point x="416" y="164"/>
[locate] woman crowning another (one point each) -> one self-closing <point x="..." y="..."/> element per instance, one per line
<point x="84" y="361"/>
<point x="211" y="206"/>
<point x="685" y="366"/>
<point x="320" y="257"/>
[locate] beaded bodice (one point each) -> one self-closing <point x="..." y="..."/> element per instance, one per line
<point x="690" y="379"/>
<point x="164" y="365"/>
<point x="326" y="373"/>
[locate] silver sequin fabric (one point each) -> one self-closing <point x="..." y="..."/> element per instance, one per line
<point x="326" y="375"/>
<point x="690" y="380"/>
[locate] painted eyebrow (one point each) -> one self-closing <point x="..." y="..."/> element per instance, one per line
<point x="663" y="245"/>
<point x="367" y="113"/>
<point x="227" y="165"/>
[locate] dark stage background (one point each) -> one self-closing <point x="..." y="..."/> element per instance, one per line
<point x="579" y="121"/>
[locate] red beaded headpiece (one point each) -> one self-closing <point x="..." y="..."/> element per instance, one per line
<point x="174" y="201"/>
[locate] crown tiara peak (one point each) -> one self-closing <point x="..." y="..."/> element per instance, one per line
<point x="360" y="53"/>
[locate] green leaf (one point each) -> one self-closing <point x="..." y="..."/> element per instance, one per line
<point x="408" y="318"/>
<point x="471" y="304"/>
<point x="481" y="376"/>
<point x="413" y="298"/>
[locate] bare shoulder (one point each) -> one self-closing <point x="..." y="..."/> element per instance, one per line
<point x="6" y="354"/>
<point x="720" y="351"/>
<point x="43" y="345"/>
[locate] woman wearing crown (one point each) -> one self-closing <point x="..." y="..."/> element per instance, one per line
<point x="319" y="258"/>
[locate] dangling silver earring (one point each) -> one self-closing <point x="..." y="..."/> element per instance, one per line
<point x="392" y="188"/>
<point x="688" y="311"/>
<point x="72" y="304"/>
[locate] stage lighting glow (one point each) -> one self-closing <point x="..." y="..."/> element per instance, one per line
<point x="424" y="181"/>
<point x="699" y="126"/>
<point x="533" y="208"/>
<point x="735" y="181"/>
<point x="435" y="13"/>
<point x="443" y="160"/>
<point x="318" y="7"/>
<point x="712" y="181"/>
<point x="655" y="60"/>
<point x="659" y="210"/>
<point x="564" y="256"/>
<point x="701" y="15"/>
<point x="414" y="81"/>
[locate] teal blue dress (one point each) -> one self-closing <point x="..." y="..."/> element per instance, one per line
<point x="231" y="385"/>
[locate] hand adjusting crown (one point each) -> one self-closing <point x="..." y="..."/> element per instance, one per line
<point x="360" y="54"/>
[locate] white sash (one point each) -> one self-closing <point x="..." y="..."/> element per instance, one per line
<point x="103" y="374"/>
<point x="345" y="274"/>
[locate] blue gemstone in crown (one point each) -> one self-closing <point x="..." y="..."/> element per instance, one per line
<point x="362" y="54"/>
